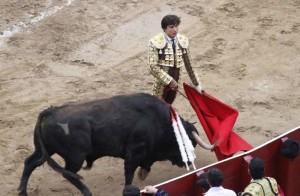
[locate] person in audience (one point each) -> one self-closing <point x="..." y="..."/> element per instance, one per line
<point x="290" y="148"/>
<point x="215" y="179"/>
<point x="202" y="182"/>
<point x="131" y="190"/>
<point x="260" y="185"/>
<point x="155" y="191"/>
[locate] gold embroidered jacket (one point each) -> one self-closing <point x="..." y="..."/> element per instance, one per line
<point x="161" y="57"/>
<point x="262" y="187"/>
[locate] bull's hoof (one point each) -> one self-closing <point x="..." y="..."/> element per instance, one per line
<point x="142" y="174"/>
<point x="87" y="168"/>
<point x="87" y="193"/>
<point x="22" y="193"/>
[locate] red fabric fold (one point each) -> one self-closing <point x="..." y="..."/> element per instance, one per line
<point x="217" y="120"/>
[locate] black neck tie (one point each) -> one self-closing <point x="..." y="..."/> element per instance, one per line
<point x="173" y="45"/>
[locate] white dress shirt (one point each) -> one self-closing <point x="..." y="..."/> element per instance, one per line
<point x="220" y="191"/>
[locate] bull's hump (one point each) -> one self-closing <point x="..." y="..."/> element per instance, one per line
<point x="119" y="103"/>
<point x="65" y="127"/>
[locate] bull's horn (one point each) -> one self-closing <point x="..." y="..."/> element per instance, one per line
<point x="202" y="143"/>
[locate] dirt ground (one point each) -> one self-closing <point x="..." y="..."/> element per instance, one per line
<point x="247" y="54"/>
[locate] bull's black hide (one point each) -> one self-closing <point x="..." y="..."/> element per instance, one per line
<point x="136" y="128"/>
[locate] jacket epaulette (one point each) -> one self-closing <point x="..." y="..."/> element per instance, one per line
<point x="183" y="40"/>
<point x="159" y="41"/>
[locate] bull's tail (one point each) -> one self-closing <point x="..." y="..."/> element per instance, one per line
<point x="45" y="155"/>
<point x="38" y="139"/>
<point x="61" y="170"/>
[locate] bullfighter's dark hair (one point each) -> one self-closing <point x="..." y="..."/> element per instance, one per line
<point x="257" y="168"/>
<point x="170" y="20"/>
<point x="215" y="177"/>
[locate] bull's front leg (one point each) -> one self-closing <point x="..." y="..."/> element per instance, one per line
<point x="130" y="168"/>
<point x="135" y="155"/>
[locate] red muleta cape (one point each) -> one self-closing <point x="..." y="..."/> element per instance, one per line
<point x="217" y="120"/>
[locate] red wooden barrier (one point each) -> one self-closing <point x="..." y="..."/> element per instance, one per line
<point x="235" y="169"/>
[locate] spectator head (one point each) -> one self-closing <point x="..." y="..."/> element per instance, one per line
<point x="290" y="148"/>
<point x="170" y="20"/>
<point x="131" y="190"/>
<point x="202" y="182"/>
<point x="257" y="168"/>
<point x="215" y="177"/>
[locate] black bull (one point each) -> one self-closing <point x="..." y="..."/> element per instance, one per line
<point x="136" y="128"/>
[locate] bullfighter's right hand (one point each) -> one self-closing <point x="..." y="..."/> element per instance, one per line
<point x="173" y="85"/>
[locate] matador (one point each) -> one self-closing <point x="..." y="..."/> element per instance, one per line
<point x="168" y="53"/>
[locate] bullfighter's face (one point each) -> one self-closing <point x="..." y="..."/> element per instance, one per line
<point x="171" y="30"/>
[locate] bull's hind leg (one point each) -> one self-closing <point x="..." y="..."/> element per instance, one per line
<point x="32" y="162"/>
<point x="74" y="165"/>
